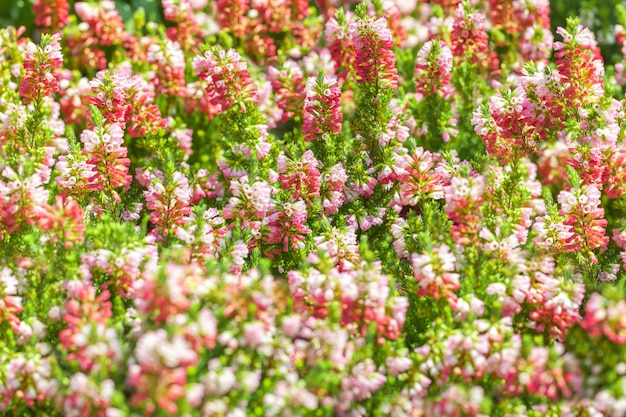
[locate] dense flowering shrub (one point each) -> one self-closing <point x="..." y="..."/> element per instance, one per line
<point x="293" y="208"/>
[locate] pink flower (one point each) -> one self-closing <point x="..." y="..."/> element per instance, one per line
<point x="88" y="396"/>
<point x="29" y="377"/>
<point x="332" y="189"/>
<point x="103" y="21"/>
<point x="433" y="69"/>
<point x="417" y="177"/>
<point x="204" y="237"/>
<point x="231" y="15"/>
<point x="556" y="303"/>
<point x="336" y="32"/>
<point x="21" y="199"/>
<point x="585" y="219"/>
<point x="110" y="95"/>
<point x="322" y="108"/>
<point x="363" y="382"/>
<point x="551" y="373"/>
<point x="255" y="334"/>
<point x="249" y="201"/>
<point x="505" y="125"/>
<point x="291" y="325"/>
<point x="341" y="246"/>
<point x="51" y="14"/>
<point x="536" y="43"/>
<point x="10" y="301"/>
<point x="553" y="234"/>
<point x="228" y="77"/>
<point x="183" y="14"/>
<point x="87" y="317"/>
<point x="239" y="254"/>
<point x="374" y="61"/>
<point x="288" y="85"/>
<point x="580" y="65"/>
<point x="470" y="40"/>
<point x="301" y="177"/>
<point x="361" y="294"/>
<point x="316" y="60"/>
<point x="464" y="196"/>
<point x="159" y="376"/>
<point x="287" y="226"/>
<point x="169" y="203"/>
<point x="159" y="299"/>
<point x="107" y="157"/>
<point x="169" y="60"/>
<point x="64" y="221"/>
<point x="434" y="272"/>
<point x="127" y="100"/>
<point x="43" y="65"/>
<point x="604" y="317"/>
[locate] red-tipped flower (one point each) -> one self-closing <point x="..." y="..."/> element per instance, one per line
<point x="322" y="108"/>
<point x="373" y="43"/>
<point x="43" y="65"/>
<point x="228" y="77"/>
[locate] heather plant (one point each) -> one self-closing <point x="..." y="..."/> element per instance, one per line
<point x="292" y="208"/>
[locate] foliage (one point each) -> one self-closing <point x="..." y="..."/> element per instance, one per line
<point x="287" y="208"/>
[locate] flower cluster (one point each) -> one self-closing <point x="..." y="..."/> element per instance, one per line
<point x="290" y="208"/>
<point x="432" y="69"/>
<point x="51" y="14"/>
<point x="374" y="60"/>
<point x="228" y="78"/>
<point x="322" y="108"/>
<point x="42" y="65"/>
<point x="470" y="39"/>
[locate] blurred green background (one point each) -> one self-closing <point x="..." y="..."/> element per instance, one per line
<point x="600" y="15"/>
